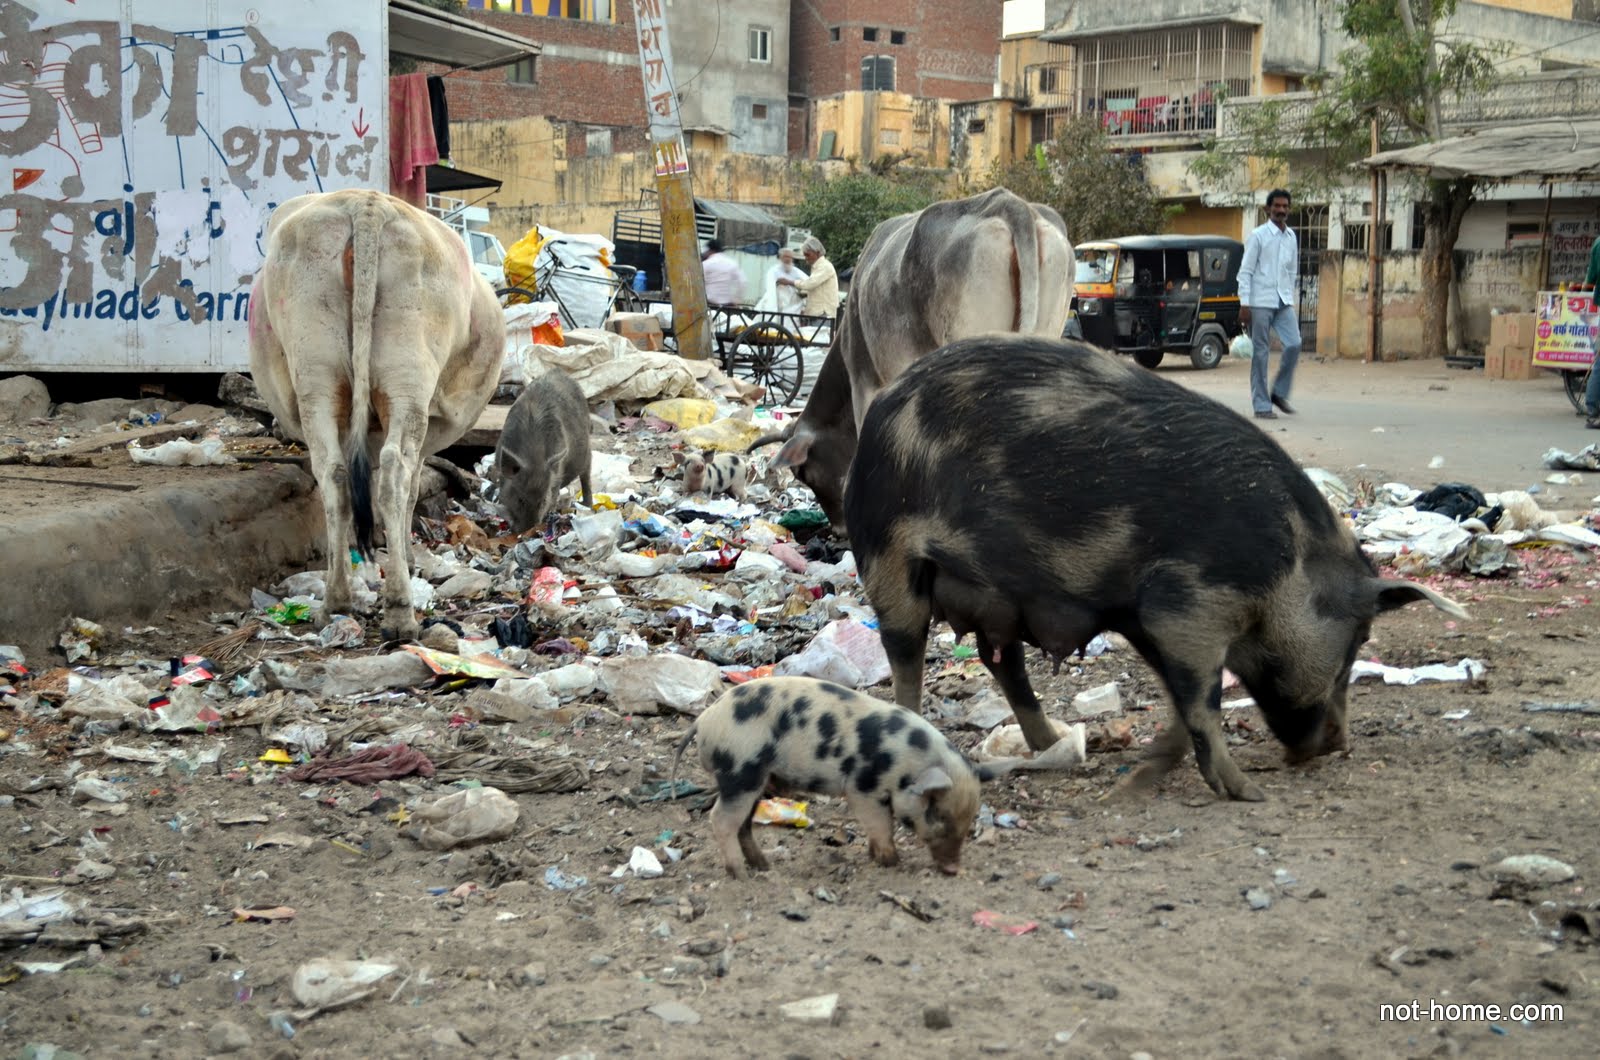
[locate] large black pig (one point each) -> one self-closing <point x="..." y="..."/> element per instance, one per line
<point x="543" y="446"/>
<point x="1039" y="492"/>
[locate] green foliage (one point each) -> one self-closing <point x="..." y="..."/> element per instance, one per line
<point x="843" y="212"/>
<point x="1100" y="193"/>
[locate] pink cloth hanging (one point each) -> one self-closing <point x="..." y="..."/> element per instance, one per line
<point x="412" y="147"/>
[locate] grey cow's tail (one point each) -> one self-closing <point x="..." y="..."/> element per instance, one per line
<point x="366" y="225"/>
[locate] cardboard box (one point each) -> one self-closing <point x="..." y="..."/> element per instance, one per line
<point x="1518" y="361"/>
<point x="1494" y="362"/>
<point x="1512" y="329"/>
<point x="641" y="329"/>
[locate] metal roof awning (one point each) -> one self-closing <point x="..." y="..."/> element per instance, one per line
<point x="740" y="223"/>
<point x="445" y="179"/>
<point x="1546" y="150"/>
<point x="1239" y="18"/>
<point x="425" y="33"/>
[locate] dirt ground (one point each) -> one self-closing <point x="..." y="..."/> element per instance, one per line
<point x="1168" y="925"/>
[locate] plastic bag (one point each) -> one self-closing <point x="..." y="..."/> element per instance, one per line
<point x="324" y="983"/>
<point x="730" y="435"/>
<point x="682" y="413"/>
<point x="642" y="684"/>
<point x="180" y="452"/>
<point x="1241" y="347"/>
<point x="845" y="652"/>
<point x="469" y="816"/>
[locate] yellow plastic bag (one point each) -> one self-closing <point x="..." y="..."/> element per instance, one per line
<point x="729" y="435"/>
<point x="682" y="413"/>
<point x="782" y="811"/>
<point x="520" y="260"/>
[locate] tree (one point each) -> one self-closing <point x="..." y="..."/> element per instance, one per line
<point x="1100" y="193"/>
<point x="1392" y="76"/>
<point x="842" y="212"/>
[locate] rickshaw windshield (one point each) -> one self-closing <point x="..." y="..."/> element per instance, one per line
<point x="1095" y="264"/>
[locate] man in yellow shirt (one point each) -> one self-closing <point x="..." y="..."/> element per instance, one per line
<point x="821" y="288"/>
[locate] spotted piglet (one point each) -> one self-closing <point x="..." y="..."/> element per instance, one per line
<point x="804" y="735"/>
<point x="718" y="473"/>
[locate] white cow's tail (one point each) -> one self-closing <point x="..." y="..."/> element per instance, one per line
<point x="366" y="225"/>
<point x="1027" y="266"/>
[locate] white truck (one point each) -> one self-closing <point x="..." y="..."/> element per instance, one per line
<point x="146" y="143"/>
<point x="471" y="223"/>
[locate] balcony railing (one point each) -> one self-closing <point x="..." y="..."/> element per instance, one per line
<point x="1550" y="95"/>
<point x="1169" y="108"/>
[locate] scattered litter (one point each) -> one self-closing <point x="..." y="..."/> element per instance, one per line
<point x="367" y="766"/>
<point x="473" y="815"/>
<point x="641" y="863"/>
<point x="824" y="1008"/>
<point x="181" y="452"/>
<point x="845" y="652"/>
<point x="1009" y="925"/>
<point x="1465" y="670"/>
<point x="782" y="811"/>
<point x="324" y="984"/>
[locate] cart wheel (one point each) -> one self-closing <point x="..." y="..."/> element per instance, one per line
<point x="1148" y="358"/>
<point x="768" y="354"/>
<point x="629" y="302"/>
<point x="1576" y="383"/>
<point x="510" y="296"/>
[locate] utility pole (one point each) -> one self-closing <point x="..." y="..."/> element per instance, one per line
<point x="679" y="243"/>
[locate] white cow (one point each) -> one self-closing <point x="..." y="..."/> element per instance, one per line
<point x="374" y="341"/>
<point x="990" y="262"/>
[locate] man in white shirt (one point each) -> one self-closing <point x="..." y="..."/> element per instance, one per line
<point x="724" y="277"/>
<point x="1268" y="287"/>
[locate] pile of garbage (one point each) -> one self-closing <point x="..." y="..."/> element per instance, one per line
<point x="1453" y="528"/>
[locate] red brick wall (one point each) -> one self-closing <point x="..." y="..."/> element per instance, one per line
<point x="945" y="39"/>
<point x="581" y="91"/>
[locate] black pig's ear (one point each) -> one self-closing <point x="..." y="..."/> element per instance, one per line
<point x="1392" y="593"/>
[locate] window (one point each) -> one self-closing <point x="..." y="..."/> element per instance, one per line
<point x="758" y="112"/>
<point x="1049" y="77"/>
<point x="869" y="33"/>
<point x="521" y="72"/>
<point x="877" y="74"/>
<point x="833" y="33"/>
<point x="897" y="36"/>
<point x="889" y="137"/>
<point x="1216" y="265"/>
<point x="597" y="141"/>
<point x="976" y="126"/>
<point x="760" y="45"/>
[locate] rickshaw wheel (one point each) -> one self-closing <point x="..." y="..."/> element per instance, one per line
<point x="766" y="353"/>
<point x="1148" y="358"/>
<point x="1208" y="352"/>
<point x="1576" y="382"/>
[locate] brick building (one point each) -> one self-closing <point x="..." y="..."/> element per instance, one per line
<point x="586" y="76"/>
<point x="939" y="49"/>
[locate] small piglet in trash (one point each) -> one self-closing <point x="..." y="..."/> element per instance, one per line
<point x="1038" y="492"/>
<point x="805" y="735"/>
<point x="544" y="446"/>
<point x="718" y="473"/>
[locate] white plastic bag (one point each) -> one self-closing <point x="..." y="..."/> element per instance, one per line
<point x="181" y="452"/>
<point x="468" y="816"/>
<point x="845" y="652"/>
<point x="1241" y="347"/>
<point x="642" y="684"/>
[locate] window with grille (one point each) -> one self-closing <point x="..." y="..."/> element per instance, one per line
<point x="758" y="112"/>
<point x="877" y="74"/>
<point x="521" y="72"/>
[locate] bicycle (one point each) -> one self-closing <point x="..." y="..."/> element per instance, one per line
<point x="621" y="297"/>
<point x="1576" y="383"/>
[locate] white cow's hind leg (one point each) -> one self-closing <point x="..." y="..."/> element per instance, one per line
<point x="399" y="475"/>
<point x="328" y="467"/>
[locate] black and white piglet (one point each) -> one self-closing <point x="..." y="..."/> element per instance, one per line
<point x="805" y="735"/>
<point x="714" y="473"/>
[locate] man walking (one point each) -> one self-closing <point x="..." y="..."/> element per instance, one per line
<point x="1268" y="278"/>
<point x="724" y="278"/>
<point x="1591" y="393"/>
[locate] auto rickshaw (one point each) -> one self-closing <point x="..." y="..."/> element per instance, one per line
<point x="1153" y="295"/>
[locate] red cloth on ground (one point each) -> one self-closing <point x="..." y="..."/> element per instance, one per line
<point x="412" y="147"/>
<point x="367" y="767"/>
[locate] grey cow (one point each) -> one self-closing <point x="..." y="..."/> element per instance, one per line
<point x="987" y="263"/>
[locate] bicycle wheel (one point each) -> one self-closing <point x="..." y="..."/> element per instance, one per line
<point x="766" y="353"/>
<point x="510" y="296"/>
<point x="1576" y="382"/>
<point x="629" y="302"/>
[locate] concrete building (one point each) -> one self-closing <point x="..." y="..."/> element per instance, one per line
<point x="1186" y="71"/>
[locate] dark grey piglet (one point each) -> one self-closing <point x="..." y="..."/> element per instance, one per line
<point x="1038" y="492"/>
<point x="804" y="735"/>
<point x="544" y="446"/>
